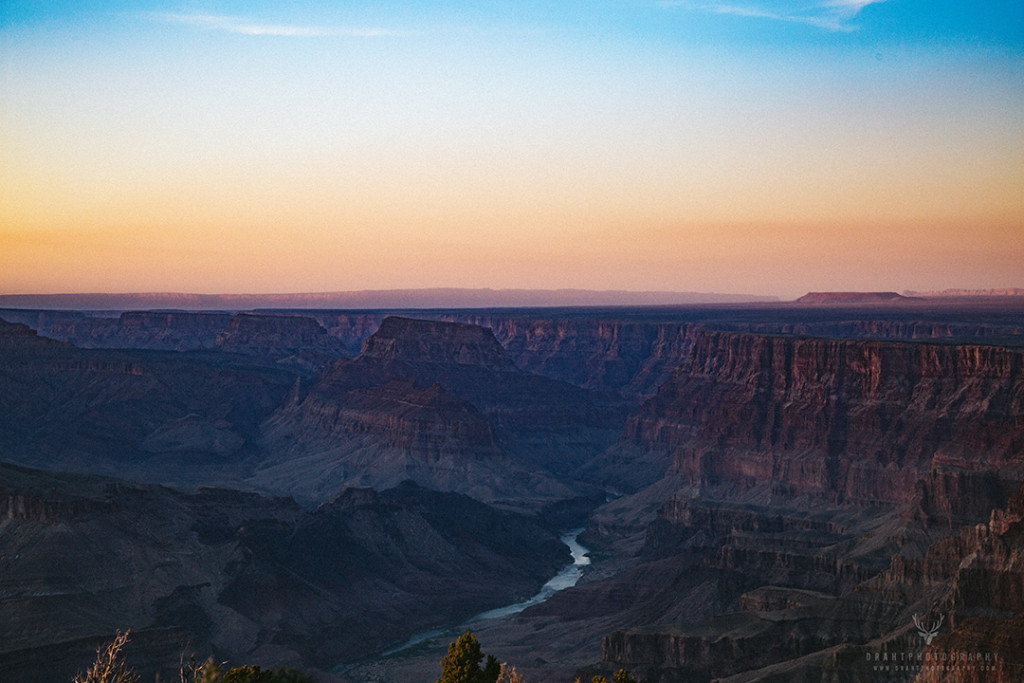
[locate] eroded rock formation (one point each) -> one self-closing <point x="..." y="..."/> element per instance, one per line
<point x="815" y="495"/>
<point x="858" y="421"/>
<point x="244" y="577"/>
<point x="442" y="404"/>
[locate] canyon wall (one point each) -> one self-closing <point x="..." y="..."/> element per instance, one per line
<point x="858" y="421"/>
<point x="935" y="604"/>
<point x="249" y="332"/>
<point x="440" y="403"/>
<point x="168" y="331"/>
<point x="821" y="496"/>
<point x="793" y="501"/>
<point x="631" y="358"/>
<point x="628" y="351"/>
<point x="633" y="352"/>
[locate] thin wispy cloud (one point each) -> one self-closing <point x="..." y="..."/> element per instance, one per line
<point x="832" y="15"/>
<point x="249" y="27"/>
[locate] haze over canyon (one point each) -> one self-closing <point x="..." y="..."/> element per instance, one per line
<point x="767" y="491"/>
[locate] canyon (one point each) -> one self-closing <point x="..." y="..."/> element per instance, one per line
<point x="249" y="577"/>
<point x="769" y="491"/>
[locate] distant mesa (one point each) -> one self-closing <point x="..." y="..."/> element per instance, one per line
<point x="431" y="341"/>
<point x="253" y="331"/>
<point x="851" y="298"/>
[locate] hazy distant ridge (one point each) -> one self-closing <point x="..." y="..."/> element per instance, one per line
<point x="1004" y="291"/>
<point x="372" y="298"/>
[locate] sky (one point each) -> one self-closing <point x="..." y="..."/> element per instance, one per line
<point x="767" y="147"/>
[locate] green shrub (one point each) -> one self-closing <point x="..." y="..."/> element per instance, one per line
<point x="621" y="676"/>
<point x="210" y="672"/>
<point x="462" y="663"/>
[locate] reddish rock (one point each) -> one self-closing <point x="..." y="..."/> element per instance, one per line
<point x="851" y="420"/>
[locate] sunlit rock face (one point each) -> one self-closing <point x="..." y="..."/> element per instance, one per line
<point x="858" y="421"/>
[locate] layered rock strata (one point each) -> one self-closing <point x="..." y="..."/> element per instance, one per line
<point x="818" y="488"/>
<point x="858" y="421"/>
<point x="442" y="404"/>
<point x="292" y="340"/>
<point x="629" y="351"/>
<point x="947" y="607"/>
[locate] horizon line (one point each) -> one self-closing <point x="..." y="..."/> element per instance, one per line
<point x="421" y="298"/>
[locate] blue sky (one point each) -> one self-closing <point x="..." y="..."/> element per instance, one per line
<point x="673" y="144"/>
<point x="939" y="22"/>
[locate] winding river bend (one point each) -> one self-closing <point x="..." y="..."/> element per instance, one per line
<point x="566" y="578"/>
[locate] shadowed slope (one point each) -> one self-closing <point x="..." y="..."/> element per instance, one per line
<point x="442" y="404"/>
<point x="252" y="578"/>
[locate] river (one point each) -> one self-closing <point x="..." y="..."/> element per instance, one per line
<point x="566" y="578"/>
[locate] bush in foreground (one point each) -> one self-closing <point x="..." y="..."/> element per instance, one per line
<point x="462" y="663"/>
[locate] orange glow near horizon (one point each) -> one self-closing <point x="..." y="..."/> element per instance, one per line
<point x="791" y="259"/>
<point x="221" y="167"/>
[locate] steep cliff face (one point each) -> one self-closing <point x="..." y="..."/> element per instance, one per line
<point x="382" y="434"/>
<point x="947" y="607"/>
<point x="403" y="416"/>
<point x="1008" y="332"/>
<point x="634" y="357"/>
<point x="814" y="489"/>
<point x="427" y="341"/>
<point x="606" y="354"/>
<point x="442" y="404"/>
<point x="853" y="420"/>
<point x="19" y="337"/>
<point x="166" y="331"/>
<point x="291" y="340"/>
<point x="621" y="350"/>
<point x="249" y="331"/>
